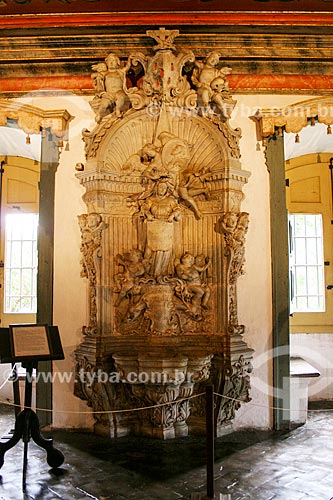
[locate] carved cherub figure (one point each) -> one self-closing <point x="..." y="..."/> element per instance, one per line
<point x="100" y="70"/>
<point x="211" y="81"/>
<point x="133" y="268"/>
<point x="189" y="270"/>
<point x="228" y="222"/>
<point x="109" y="80"/>
<point x="175" y="157"/>
<point x="91" y="226"/>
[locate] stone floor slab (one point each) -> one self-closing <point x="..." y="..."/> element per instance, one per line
<point x="250" y="465"/>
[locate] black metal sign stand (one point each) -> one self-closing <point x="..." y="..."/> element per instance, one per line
<point x="26" y="427"/>
<point x="27" y="423"/>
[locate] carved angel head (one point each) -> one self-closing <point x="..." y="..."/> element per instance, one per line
<point x="218" y="84"/>
<point x="213" y="58"/>
<point x="187" y="259"/>
<point x="112" y="61"/>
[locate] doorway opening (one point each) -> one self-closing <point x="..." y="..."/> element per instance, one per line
<point x="309" y="204"/>
<point x="290" y="134"/>
<point x="18" y="234"/>
<point x="32" y="137"/>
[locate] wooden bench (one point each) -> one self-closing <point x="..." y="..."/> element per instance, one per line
<point x="301" y="373"/>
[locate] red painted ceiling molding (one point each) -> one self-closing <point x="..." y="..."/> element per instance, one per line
<point x="238" y="83"/>
<point x="206" y="18"/>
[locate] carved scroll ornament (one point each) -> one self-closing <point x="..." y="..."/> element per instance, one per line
<point x="91" y="226"/>
<point x="236" y="390"/>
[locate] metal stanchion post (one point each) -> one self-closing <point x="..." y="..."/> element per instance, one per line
<point x="210" y="441"/>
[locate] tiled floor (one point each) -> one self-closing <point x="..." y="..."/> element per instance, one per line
<point x="249" y="466"/>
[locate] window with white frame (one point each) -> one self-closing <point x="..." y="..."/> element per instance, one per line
<point x="307" y="263"/>
<point x="20" y="263"/>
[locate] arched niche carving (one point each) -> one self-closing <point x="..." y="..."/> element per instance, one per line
<point x="130" y="135"/>
<point x="163" y="243"/>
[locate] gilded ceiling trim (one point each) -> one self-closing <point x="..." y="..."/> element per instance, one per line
<point x="167" y="18"/>
<point x="295" y="117"/>
<point x="32" y="120"/>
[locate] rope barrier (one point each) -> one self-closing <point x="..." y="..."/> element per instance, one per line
<point x="269" y="407"/>
<point x="125" y="410"/>
<point x="8" y="378"/>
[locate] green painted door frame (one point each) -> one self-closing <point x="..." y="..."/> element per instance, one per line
<point x="48" y="168"/>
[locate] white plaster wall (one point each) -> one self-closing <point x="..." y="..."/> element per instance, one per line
<point x="317" y="349"/>
<point x="254" y="288"/>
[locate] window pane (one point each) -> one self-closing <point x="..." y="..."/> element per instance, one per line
<point x="313" y="303"/>
<point x="27" y="256"/>
<point x="15" y="229"/>
<point x="300" y="251"/>
<point x="311" y="250"/>
<point x="300" y="280"/>
<point x="15" y="255"/>
<point x="25" y="305"/>
<point x="299" y="225"/>
<point x="26" y="287"/>
<point x="320" y="250"/>
<point x="301" y="304"/>
<point x="28" y="229"/>
<point x="307" y="263"/>
<point x="20" y="263"/>
<point x="310" y="225"/>
<point x="14" y="304"/>
<point x="14" y="283"/>
<point x="312" y="280"/>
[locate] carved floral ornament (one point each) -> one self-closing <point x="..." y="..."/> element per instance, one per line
<point x="295" y="117"/>
<point x="32" y="119"/>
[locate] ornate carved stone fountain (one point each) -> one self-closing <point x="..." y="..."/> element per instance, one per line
<point x="162" y="244"/>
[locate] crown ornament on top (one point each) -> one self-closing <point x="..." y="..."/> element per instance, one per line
<point x="164" y="38"/>
<point x="169" y="77"/>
